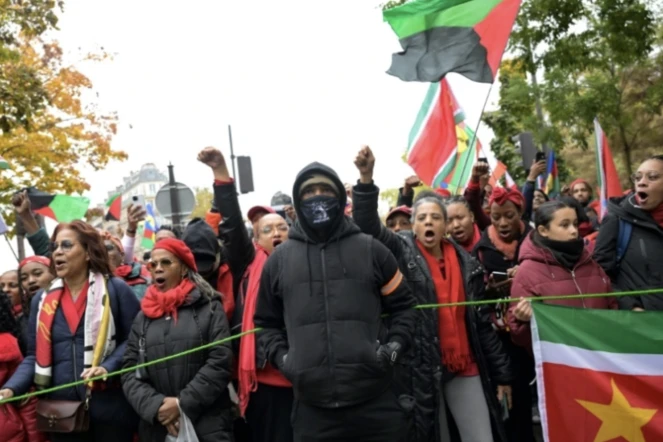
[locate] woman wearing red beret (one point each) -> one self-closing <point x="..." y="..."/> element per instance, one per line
<point x="179" y="313"/>
<point x="498" y="251"/>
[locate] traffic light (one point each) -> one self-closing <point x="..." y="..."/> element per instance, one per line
<point x="245" y="173"/>
<point x="525" y="148"/>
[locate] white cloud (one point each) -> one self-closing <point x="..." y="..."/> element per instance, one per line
<point x="299" y="81"/>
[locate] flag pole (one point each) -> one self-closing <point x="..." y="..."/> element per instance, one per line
<point x="10" y="247"/>
<point x="476" y="130"/>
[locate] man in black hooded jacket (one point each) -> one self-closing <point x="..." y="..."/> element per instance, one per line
<point x="322" y="295"/>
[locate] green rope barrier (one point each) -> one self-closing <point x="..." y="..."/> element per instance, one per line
<point x="128" y="369"/>
<point x="255" y="330"/>
<point x="540" y="298"/>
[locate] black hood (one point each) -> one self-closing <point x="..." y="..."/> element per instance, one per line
<point x="626" y="208"/>
<point x="301" y="225"/>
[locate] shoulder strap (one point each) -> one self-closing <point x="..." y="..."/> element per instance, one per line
<point x="623" y="238"/>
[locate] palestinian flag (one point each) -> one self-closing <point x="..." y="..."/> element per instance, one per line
<point x="442" y="36"/>
<point x="599" y="374"/>
<point x="114" y="208"/>
<point x="439" y="147"/>
<point x="608" y="178"/>
<point x="61" y="208"/>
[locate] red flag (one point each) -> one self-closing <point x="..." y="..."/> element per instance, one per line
<point x="608" y="179"/>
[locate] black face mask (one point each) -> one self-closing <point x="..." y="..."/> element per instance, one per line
<point x="320" y="212"/>
<point x="567" y="253"/>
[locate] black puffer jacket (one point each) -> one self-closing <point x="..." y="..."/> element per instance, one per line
<point x="321" y="303"/>
<point x="422" y="373"/>
<point x="640" y="268"/>
<point x="199" y="380"/>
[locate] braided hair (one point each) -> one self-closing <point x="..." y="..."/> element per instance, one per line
<point x="8" y="322"/>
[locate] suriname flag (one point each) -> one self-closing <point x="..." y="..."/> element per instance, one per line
<point x="599" y="374"/>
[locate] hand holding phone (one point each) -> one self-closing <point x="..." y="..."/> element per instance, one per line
<point x="500" y="276"/>
<point x="138" y="200"/>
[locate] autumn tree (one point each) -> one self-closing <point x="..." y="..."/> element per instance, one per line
<point x="204" y="198"/>
<point x="51" y="148"/>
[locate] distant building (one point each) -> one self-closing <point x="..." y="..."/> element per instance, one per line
<point x="146" y="183"/>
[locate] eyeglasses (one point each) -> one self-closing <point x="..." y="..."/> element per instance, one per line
<point x="164" y="263"/>
<point x="281" y="228"/>
<point x="66" y="245"/>
<point x="651" y="176"/>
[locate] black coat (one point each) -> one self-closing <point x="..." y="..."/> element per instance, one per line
<point x="422" y="373"/>
<point x="200" y="380"/>
<point x="321" y="302"/>
<point x="641" y="267"/>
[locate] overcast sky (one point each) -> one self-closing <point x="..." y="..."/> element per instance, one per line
<point x="299" y="81"/>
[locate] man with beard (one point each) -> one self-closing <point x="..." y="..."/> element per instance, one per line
<point x="265" y="395"/>
<point x="322" y="297"/>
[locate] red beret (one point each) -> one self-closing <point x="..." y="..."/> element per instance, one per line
<point x="40" y="259"/>
<point x="501" y="195"/>
<point x="178" y="248"/>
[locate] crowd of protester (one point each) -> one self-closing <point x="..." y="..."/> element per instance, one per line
<point x="341" y="354"/>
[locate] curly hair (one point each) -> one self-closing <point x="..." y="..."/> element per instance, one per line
<point x="8" y="322"/>
<point x="93" y="244"/>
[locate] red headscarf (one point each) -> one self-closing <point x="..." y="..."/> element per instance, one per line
<point x="156" y="304"/>
<point x="107" y="236"/>
<point x="178" y="248"/>
<point x="501" y="195"/>
<point x="40" y="259"/>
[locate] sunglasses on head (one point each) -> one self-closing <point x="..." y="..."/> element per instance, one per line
<point x="164" y="263"/>
<point x="66" y="245"/>
<point x="110" y="247"/>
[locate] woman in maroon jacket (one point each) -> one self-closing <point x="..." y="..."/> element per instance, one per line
<point x="554" y="262"/>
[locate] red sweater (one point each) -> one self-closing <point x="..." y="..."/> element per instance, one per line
<point x="18" y="423"/>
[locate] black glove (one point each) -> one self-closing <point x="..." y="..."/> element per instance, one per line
<point x="388" y="353"/>
<point x="282" y="362"/>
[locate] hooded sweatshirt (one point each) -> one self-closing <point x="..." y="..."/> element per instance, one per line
<point x="329" y="291"/>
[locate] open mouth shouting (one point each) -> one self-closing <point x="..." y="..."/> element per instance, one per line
<point x="60" y="264"/>
<point x="429" y="237"/>
<point x="276" y="242"/>
<point x="160" y="282"/>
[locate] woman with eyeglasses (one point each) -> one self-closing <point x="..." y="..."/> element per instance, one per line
<point x="84" y="319"/>
<point x="629" y="246"/>
<point x="135" y="274"/>
<point x="179" y="312"/>
<point x="265" y="395"/>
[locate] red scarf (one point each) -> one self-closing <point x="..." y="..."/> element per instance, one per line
<point x="449" y="288"/>
<point x="156" y="304"/>
<point x="123" y="271"/>
<point x="657" y="214"/>
<point x="507" y="249"/>
<point x="473" y="242"/>
<point x="224" y="285"/>
<point x="49" y="305"/>
<point x="74" y="310"/>
<point x="18" y="310"/>
<point x="248" y="380"/>
<point x="585" y="229"/>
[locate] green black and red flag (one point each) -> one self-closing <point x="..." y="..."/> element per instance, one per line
<point x="61" y="208"/>
<point x="114" y="208"/>
<point x="441" y="36"/>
